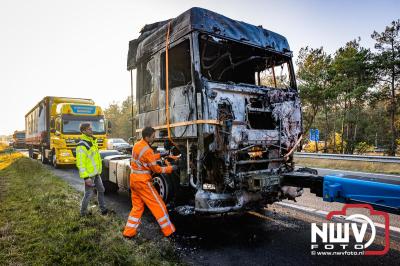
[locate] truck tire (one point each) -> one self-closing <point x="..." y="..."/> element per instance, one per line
<point x="54" y="161"/>
<point x="166" y="186"/>
<point x="43" y="158"/>
<point x="110" y="187"/>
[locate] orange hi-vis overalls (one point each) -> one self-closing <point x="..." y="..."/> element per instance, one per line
<point x="143" y="163"/>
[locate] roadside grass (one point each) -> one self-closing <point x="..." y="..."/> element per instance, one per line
<point x="373" y="167"/>
<point x="40" y="225"/>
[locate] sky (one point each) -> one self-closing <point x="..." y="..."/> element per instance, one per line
<point x="78" y="48"/>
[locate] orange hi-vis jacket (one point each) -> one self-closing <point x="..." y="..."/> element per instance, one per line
<point x="144" y="162"/>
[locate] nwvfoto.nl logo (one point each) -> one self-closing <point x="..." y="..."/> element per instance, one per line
<point x="353" y="236"/>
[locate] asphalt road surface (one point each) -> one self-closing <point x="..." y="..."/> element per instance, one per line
<point x="280" y="234"/>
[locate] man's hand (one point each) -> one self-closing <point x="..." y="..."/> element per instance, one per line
<point x="89" y="182"/>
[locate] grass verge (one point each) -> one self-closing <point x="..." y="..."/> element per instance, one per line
<point x="7" y="156"/>
<point x="40" y="225"/>
<point x="372" y="167"/>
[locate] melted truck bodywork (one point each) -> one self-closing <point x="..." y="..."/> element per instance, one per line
<point x="234" y="108"/>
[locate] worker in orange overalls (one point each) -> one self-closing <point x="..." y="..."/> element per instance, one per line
<point x="143" y="163"/>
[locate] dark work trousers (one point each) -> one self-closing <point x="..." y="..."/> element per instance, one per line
<point x="89" y="192"/>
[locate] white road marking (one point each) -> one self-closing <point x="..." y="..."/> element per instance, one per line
<point x="324" y="213"/>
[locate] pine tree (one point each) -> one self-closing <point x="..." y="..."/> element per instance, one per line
<point x="387" y="66"/>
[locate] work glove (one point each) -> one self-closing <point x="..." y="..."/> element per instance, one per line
<point x="164" y="153"/>
<point x="174" y="167"/>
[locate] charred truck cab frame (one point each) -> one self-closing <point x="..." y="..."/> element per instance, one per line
<point x="234" y="109"/>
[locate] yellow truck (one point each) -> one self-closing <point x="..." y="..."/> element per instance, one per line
<point x="52" y="128"/>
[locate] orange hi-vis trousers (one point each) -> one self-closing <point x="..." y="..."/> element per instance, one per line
<point x="143" y="192"/>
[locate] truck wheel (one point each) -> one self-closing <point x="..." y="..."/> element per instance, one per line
<point x="110" y="187"/>
<point x="54" y="161"/>
<point x="43" y="158"/>
<point x="166" y="187"/>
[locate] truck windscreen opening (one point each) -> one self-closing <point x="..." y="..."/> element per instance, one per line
<point x="228" y="61"/>
<point x="179" y="62"/>
<point x="72" y="126"/>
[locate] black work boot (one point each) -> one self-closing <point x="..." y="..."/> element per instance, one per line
<point x="172" y="237"/>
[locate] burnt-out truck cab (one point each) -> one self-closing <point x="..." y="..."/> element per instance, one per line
<point x="234" y="111"/>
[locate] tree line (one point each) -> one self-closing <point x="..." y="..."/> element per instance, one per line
<point x="120" y="116"/>
<point x="351" y="96"/>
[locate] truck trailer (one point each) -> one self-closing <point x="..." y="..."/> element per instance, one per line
<point x="52" y="128"/>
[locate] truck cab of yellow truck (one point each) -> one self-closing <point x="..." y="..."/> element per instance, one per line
<point x="52" y="128"/>
<point x="19" y="139"/>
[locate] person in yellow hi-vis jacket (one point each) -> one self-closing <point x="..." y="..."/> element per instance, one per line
<point x="88" y="161"/>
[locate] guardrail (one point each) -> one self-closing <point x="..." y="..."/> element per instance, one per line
<point x="348" y="157"/>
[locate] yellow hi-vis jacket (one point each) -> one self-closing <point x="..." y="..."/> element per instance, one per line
<point x="88" y="159"/>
